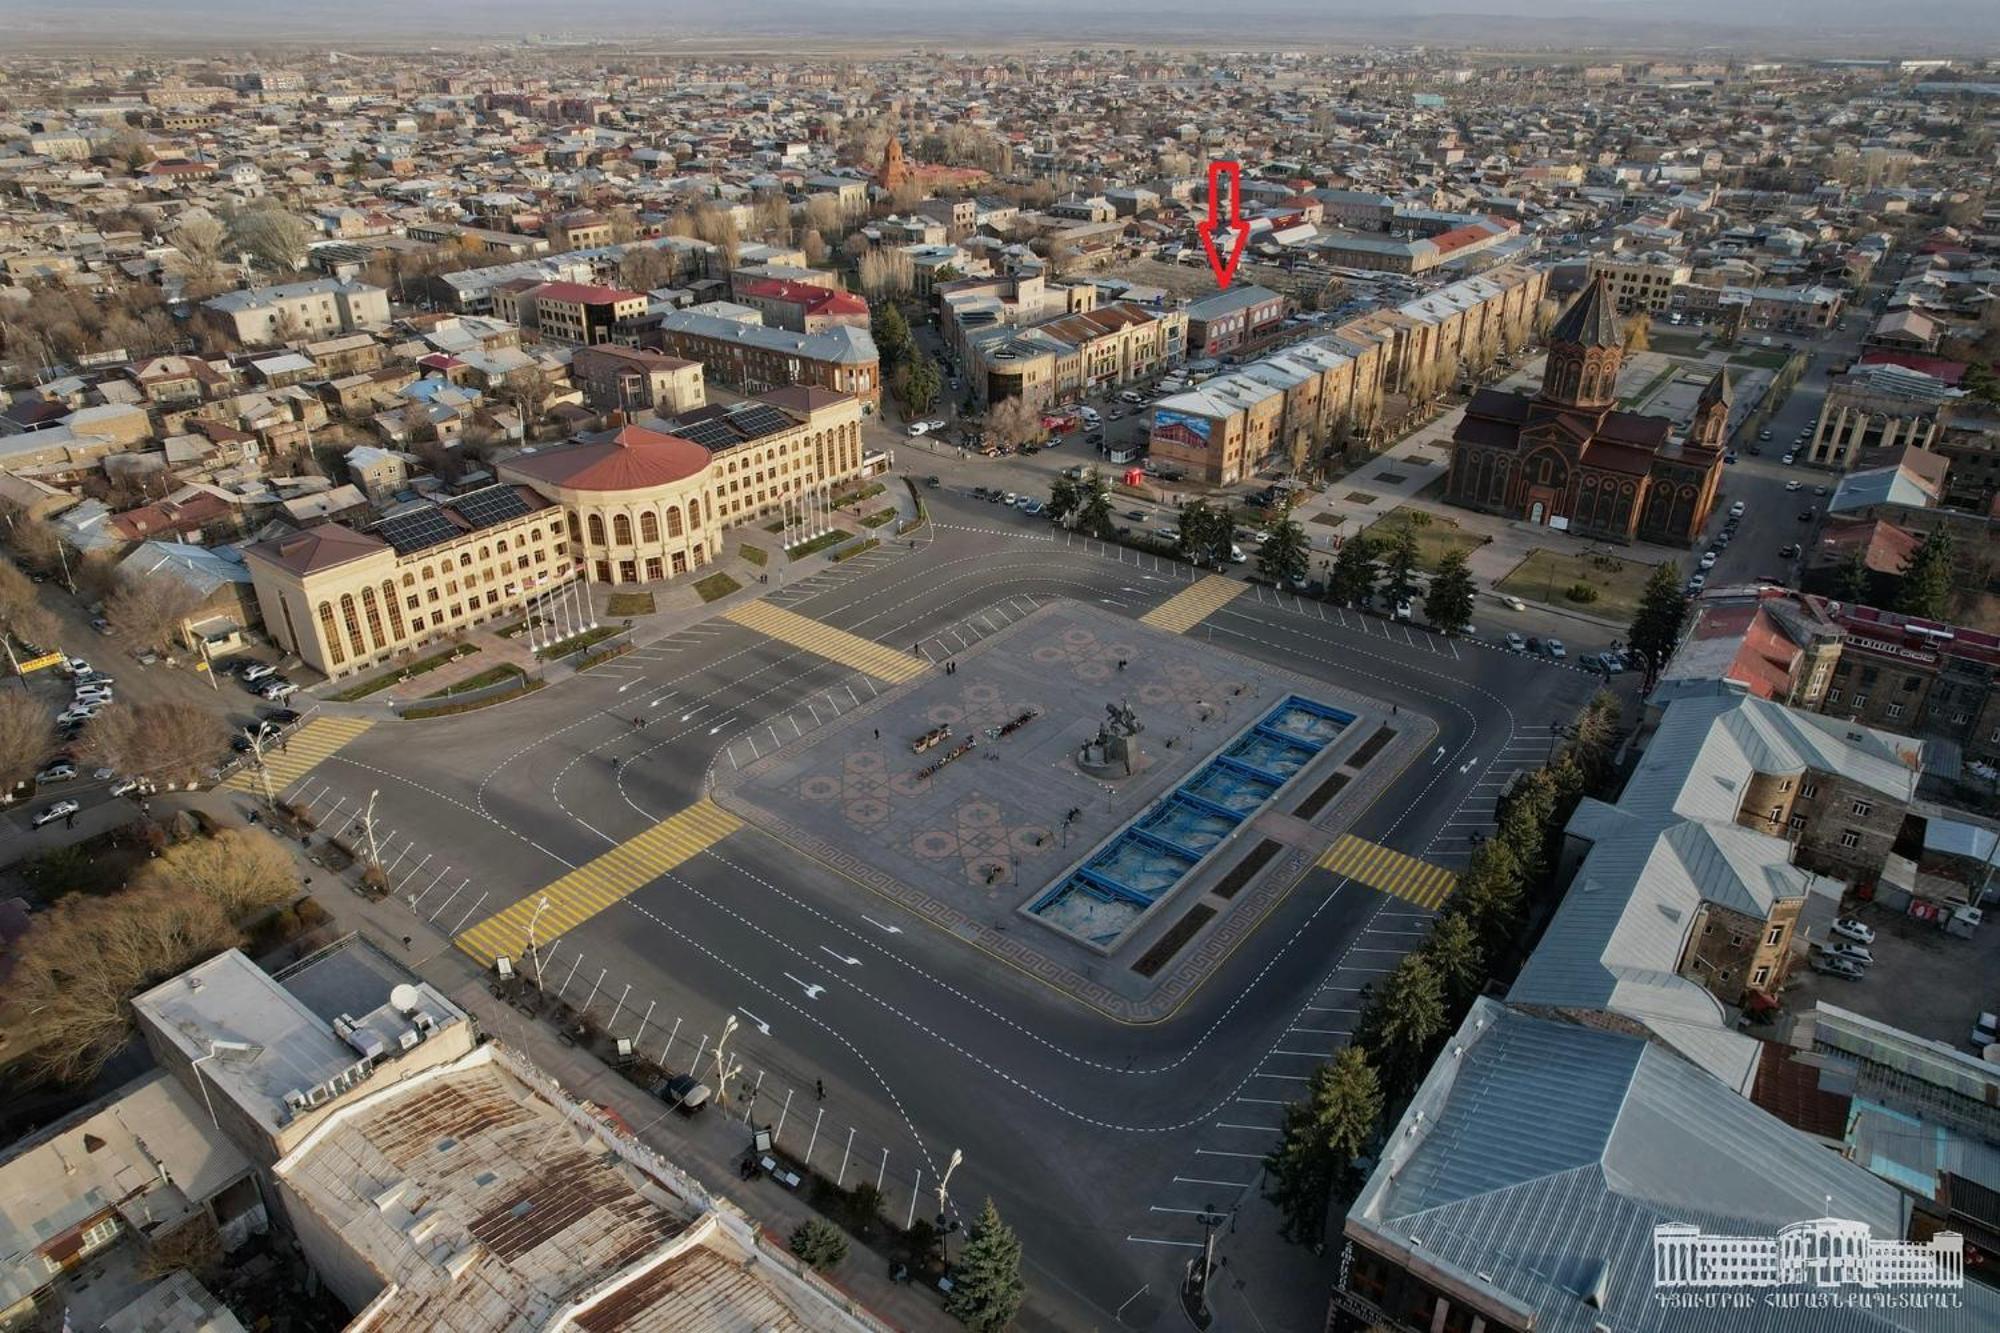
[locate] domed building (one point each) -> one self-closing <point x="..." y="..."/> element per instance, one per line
<point x="640" y="503"/>
<point x="1568" y="458"/>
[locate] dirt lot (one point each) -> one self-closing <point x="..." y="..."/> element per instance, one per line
<point x="1923" y="981"/>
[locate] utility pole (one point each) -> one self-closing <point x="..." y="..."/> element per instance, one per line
<point x="534" y="954"/>
<point x="721" y="1070"/>
<point x="943" y="1220"/>
<point x="257" y="739"/>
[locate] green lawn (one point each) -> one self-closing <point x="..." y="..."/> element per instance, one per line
<point x="716" y="585"/>
<point x="756" y="555"/>
<point x="630" y="604"/>
<point x="398" y="674"/>
<point x="1761" y="359"/>
<point x="879" y="517"/>
<point x="859" y="548"/>
<point x="1435" y="533"/>
<point x="490" y="676"/>
<point x="817" y="544"/>
<point x="1686" y="344"/>
<point x="578" y="642"/>
<point x="1545" y="576"/>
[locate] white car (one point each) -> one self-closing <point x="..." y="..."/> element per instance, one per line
<point x="935" y="423"/>
<point x="1792" y="485"/>
<point x="62" y="772"/>
<point x="1736" y="510"/>
<point x="1788" y="459"/>
<point x="1554" y="648"/>
<point x="1708" y="561"/>
<point x="279" y="690"/>
<point x="1848" y="928"/>
<point x="60" y="810"/>
<point x="256" y="671"/>
<point x="1515" y="643"/>
<point x="76" y="713"/>
<point x="1514" y="603"/>
<point x="1853" y="953"/>
<point x="124" y="786"/>
<point x="916" y="428"/>
<point x="93" y="694"/>
<point x="1236" y="556"/>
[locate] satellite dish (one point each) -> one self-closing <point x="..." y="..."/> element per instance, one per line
<point x="405" y="998"/>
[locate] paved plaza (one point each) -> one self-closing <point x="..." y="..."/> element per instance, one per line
<point x="971" y="828"/>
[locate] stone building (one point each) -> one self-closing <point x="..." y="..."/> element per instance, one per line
<point x="1877" y="406"/>
<point x="1570" y="459"/>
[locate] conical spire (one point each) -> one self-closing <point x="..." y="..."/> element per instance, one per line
<point x="1591" y="320"/>
<point x="1718" y="390"/>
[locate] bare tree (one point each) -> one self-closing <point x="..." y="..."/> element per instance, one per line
<point x="83" y="960"/>
<point x="149" y="612"/>
<point x="274" y="238"/>
<point x="645" y="267"/>
<point x="886" y="273"/>
<point x="240" y="872"/>
<point x="199" y="238"/>
<point x="823" y="214"/>
<point x="168" y="742"/>
<point x="1012" y="421"/>
<point x="26" y="737"/>
<point x="814" y="246"/>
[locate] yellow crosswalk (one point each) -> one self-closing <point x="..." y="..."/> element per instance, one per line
<point x="1194" y="604"/>
<point x="835" y="644"/>
<point x="596" y="885"/>
<point x="1376" y="866"/>
<point x="301" y="752"/>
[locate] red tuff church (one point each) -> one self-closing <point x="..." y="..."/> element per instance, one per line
<point x="1569" y="459"/>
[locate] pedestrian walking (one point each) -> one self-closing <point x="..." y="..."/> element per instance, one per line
<point x="819" y="1087"/>
<point x="878" y="733"/>
<point x="406" y="941"/>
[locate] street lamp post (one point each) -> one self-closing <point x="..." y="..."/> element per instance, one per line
<point x="257" y="739"/>
<point x="534" y="952"/>
<point x="943" y="1194"/>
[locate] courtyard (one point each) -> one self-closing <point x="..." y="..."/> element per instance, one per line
<point x="1547" y="575"/>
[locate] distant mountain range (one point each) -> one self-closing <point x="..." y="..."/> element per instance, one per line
<point x="1860" y="27"/>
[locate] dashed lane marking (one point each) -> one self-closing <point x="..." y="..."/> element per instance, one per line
<point x="1392" y="872"/>
<point x="834" y="644"/>
<point x="599" y="883"/>
<point x="1192" y="605"/>
<point x="303" y="750"/>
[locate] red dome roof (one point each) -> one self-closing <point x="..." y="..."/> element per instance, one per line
<point x="631" y="458"/>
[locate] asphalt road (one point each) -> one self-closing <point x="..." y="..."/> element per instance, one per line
<point x="1100" y="1141"/>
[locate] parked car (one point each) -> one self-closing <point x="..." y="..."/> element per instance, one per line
<point x="918" y="428"/>
<point x="279" y="690"/>
<point x="935" y="423"/>
<point x="63" y="771"/>
<point x="1515" y="643"/>
<point x="1793" y="484"/>
<point x="60" y="810"/>
<point x="1850" y="929"/>
<point x="931" y="483"/>
<point x="1788" y="550"/>
<point x="1986" y="1031"/>
<point x="256" y="671"/>
<point x="1033" y="508"/>
<point x="1787" y="460"/>
<point x="1806" y="515"/>
<point x="76" y="715"/>
<point x="1554" y="648"/>
<point x="1853" y="953"/>
<point x="124" y="786"/>
<point x="685" y="1093"/>
<point x="280" y="717"/>
<point x="101" y="625"/>
<point x="1837" y="967"/>
<point x="1708" y="561"/>
<point x="1405" y="609"/>
<point x="1736" y="510"/>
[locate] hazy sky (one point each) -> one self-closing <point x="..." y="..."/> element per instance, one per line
<point x="1864" y="26"/>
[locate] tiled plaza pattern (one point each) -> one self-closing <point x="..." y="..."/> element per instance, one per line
<point x="872" y="778"/>
<point x="301" y="752"/>
<point x="1190" y="606"/>
<point x="833" y="644"/>
<point x="1392" y="872"/>
<point x="596" y="885"/>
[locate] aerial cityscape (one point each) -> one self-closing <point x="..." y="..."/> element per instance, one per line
<point x="879" y="667"/>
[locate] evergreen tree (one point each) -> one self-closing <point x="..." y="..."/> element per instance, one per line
<point x="986" y="1281"/>
<point x="1448" y="604"/>
<point x="1399" y="565"/>
<point x="1927" y="582"/>
<point x="891" y="333"/>
<point x="1093" y="505"/>
<point x="1285" y="554"/>
<point x="1064" y="497"/>
<point x="1490" y="898"/>
<point x="1454" y="953"/>
<point x="1321" y="1137"/>
<point x="1204" y="533"/>
<point x="1406" y="1016"/>
<point x="1852" y="582"/>
<point x="819" y="1243"/>
<point x="1352" y="581"/>
<point x="1656" y="625"/>
<point x="920" y="383"/>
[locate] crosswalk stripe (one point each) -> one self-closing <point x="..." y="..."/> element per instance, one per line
<point x="1194" y="604"/>
<point x="1389" y="871"/>
<point x="598" y="884"/>
<point x="834" y="644"/>
<point x="304" y="750"/>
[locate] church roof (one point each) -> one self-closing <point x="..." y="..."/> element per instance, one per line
<point x="1591" y="320"/>
<point x="1719" y="389"/>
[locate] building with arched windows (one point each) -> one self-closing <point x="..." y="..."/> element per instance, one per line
<point x="641" y="503"/>
<point x="1568" y="458"/>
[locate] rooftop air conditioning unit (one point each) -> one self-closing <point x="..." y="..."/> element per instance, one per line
<point x="295" y="1100"/>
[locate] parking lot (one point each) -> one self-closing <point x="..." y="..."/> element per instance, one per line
<point x="1923" y="980"/>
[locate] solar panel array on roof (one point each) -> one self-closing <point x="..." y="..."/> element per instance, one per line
<point x="712" y="433"/>
<point x="756" y="420"/>
<point x="494" y="504"/>
<point x="415" y="532"/>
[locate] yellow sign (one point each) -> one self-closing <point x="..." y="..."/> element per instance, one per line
<point x="37" y="663"/>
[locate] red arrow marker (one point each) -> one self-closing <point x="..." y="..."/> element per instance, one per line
<point x="1226" y="217"/>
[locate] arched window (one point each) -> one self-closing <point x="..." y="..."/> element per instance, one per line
<point x="395" y="609"/>
<point x="330" y="633"/>
<point x="673" y="520"/>
<point x="597" y="529"/>
<point x="575" y="531"/>
<point x="409" y="580"/>
<point x="485" y="553"/>
<point x="374" y="617"/>
<point x="649" y="526"/>
<point x="348" y="614"/>
<point x="500" y="545"/>
<point x="621" y="529"/>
